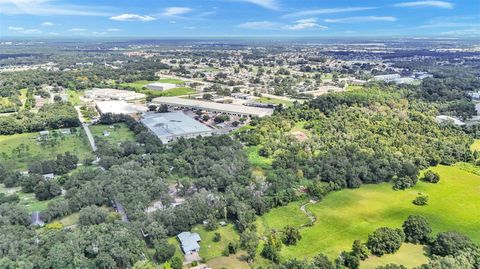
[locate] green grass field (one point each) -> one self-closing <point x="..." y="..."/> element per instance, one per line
<point x="268" y="100"/>
<point x="27" y="199"/>
<point x="351" y="214"/>
<point x="409" y="255"/>
<point x="74" y="97"/>
<point x="118" y="134"/>
<point x="19" y="150"/>
<point x="257" y="160"/>
<point x="354" y="87"/>
<point x="210" y="249"/>
<point x="280" y="217"/>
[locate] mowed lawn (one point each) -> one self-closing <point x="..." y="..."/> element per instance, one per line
<point x="120" y="132"/>
<point x="351" y="214"/>
<point x="32" y="150"/>
<point x="210" y="249"/>
<point x="278" y="218"/>
<point x="409" y="255"/>
<point x="255" y="159"/>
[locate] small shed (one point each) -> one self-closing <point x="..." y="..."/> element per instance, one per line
<point x="189" y="242"/>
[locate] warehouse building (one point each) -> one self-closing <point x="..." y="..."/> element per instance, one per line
<point x="235" y="110"/>
<point x="172" y="125"/>
<point x="115" y="107"/>
<point x="159" y="86"/>
<point x="113" y="94"/>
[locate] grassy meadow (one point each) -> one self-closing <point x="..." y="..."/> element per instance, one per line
<point x="120" y="132"/>
<point x="27" y="199"/>
<point x="409" y="255"/>
<point x="351" y="214"/>
<point x="19" y="150"/>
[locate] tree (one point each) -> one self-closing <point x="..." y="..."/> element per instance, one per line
<point x="291" y="235"/>
<point x="163" y="250"/>
<point x="391" y="266"/>
<point x="249" y="242"/>
<point x="360" y="250"/>
<point x="176" y="263"/>
<point x="321" y="261"/>
<point x="416" y="229"/>
<point x="450" y="243"/>
<point x="385" y="240"/>
<point x="431" y="177"/>
<point x="269" y="252"/>
<point x="45" y="190"/>
<point x="91" y="215"/>
<point x="349" y="260"/>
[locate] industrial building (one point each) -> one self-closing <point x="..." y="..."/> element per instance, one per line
<point x="115" y="107"/>
<point x="113" y="94"/>
<point x="172" y="125"/>
<point x="235" y="110"/>
<point x="159" y="86"/>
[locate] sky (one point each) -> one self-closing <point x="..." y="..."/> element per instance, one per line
<point x="236" y="18"/>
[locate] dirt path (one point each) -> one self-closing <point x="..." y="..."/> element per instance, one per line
<point x="309" y="214"/>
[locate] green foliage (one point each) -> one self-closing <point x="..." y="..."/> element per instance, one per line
<point x="450" y="243"/>
<point x="385" y="240"/>
<point x="91" y="215"/>
<point x="431" y="177"/>
<point x="391" y="266"/>
<point x="421" y="200"/>
<point x="416" y="229"/>
<point x="291" y="235"/>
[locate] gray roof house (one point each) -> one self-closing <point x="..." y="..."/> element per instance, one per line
<point x="36" y="219"/>
<point x="189" y="242"/>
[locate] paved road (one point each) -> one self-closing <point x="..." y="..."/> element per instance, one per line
<point x="90" y="137"/>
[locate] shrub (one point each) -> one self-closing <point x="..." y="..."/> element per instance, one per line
<point x="385" y="240"/>
<point x="431" y="177"/>
<point x="420" y="200"/>
<point x="217" y="237"/>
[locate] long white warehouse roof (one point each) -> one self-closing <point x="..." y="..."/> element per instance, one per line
<point x="211" y="106"/>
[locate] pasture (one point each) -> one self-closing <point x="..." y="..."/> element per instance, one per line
<point x="119" y="133"/>
<point x="20" y="150"/>
<point x="351" y="214"/>
<point x="27" y="199"/>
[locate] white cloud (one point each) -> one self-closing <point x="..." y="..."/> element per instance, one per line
<point x="260" y="25"/>
<point x="48" y="8"/>
<point x="314" y="12"/>
<point x="77" y="30"/>
<point x="268" y="4"/>
<point x="132" y="17"/>
<point x="305" y="24"/>
<point x="113" y="30"/>
<point x="21" y="30"/>
<point x="175" y="11"/>
<point x="469" y="32"/>
<point x="361" y="19"/>
<point x="438" y="4"/>
<point x="47" y="23"/>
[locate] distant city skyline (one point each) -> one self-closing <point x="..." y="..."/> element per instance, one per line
<point x="237" y="18"/>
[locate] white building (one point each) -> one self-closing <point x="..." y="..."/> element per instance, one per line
<point x="113" y="94"/>
<point x="159" y="86"/>
<point x="115" y="107"/>
<point x="235" y="110"/>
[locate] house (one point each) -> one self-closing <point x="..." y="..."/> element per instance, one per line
<point x="189" y="242"/>
<point x="36" y="219"/>
<point x="48" y="176"/>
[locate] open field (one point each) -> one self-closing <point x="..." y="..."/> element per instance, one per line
<point x="210" y="249"/>
<point x="351" y="214"/>
<point x="19" y="150"/>
<point x="269" y="100"/>
<point x="230" y="262"/>
<point x="74" y="97"/>
<point x="120" y="132"/>
<point x="142" y="83"/>
<point x="409" y="255"/>
<point x="257" y="160"/>
<point x="27" y="199"/>
<point x="354" y="87"/>
<point x="280" y="217"/>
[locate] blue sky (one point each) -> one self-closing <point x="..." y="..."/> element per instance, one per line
<point x="225" y="18"/>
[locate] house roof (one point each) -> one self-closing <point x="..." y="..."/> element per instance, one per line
<point x="189" y="241"/>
